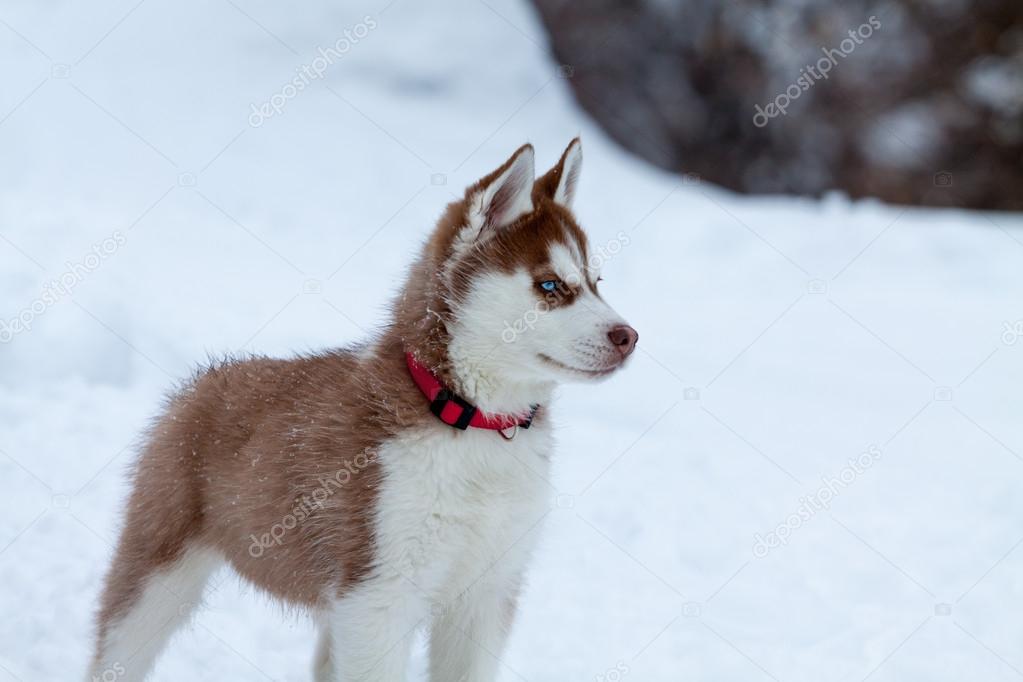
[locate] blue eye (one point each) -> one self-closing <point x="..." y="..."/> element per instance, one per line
<point x="549" y="285"/>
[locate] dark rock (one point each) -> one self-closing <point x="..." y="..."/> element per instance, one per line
<point x="912" y="101"/>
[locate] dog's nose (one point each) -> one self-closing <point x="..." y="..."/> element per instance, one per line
<point x="624" y="338"/>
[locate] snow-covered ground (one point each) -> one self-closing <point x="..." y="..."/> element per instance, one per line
<point x="779" y="339"/>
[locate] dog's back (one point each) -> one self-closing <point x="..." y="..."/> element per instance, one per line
<point x="225" y="472"/>
<point x="235" y="453"/>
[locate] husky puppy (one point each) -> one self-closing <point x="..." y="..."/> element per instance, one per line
<point x="386" y="486"/>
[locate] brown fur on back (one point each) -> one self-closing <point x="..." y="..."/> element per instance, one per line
<point x="246" y="444"/>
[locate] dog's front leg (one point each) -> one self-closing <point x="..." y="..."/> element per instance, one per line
<point x="372" y="630"/>
<point x="468" y="635"/>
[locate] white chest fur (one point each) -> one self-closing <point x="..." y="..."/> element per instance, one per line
<point x="457" y="507"/>
<point x="457" y="517"/>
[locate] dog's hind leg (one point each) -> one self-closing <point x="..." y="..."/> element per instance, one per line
<point x="158" y="572"/>
<point x="143" y="606"/>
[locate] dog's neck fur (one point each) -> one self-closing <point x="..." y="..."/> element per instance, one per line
<point x="481" y="383"/>
<point x="421" y="325"/>
<point x="493" y="393"/>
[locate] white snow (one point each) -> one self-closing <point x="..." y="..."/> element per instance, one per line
<point x="779" y="338"/>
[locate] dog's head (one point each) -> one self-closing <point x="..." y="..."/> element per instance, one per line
<point x="520" y="283"/>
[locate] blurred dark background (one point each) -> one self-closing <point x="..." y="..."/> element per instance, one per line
<point x="911" y="101"/>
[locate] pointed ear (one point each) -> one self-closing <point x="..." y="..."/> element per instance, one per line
<point x="504" y="196"/>
<point x="559" y="183"/>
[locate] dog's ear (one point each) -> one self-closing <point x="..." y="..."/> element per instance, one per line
<point x="504" y="196"/>
<point x="559" y="183"/>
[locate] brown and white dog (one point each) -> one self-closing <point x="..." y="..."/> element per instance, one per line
<point x="388" y="485"/>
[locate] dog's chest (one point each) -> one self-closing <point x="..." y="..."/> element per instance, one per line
<point x="457" y="507"/>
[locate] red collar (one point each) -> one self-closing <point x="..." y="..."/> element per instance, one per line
<point x="453" y="410"/>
